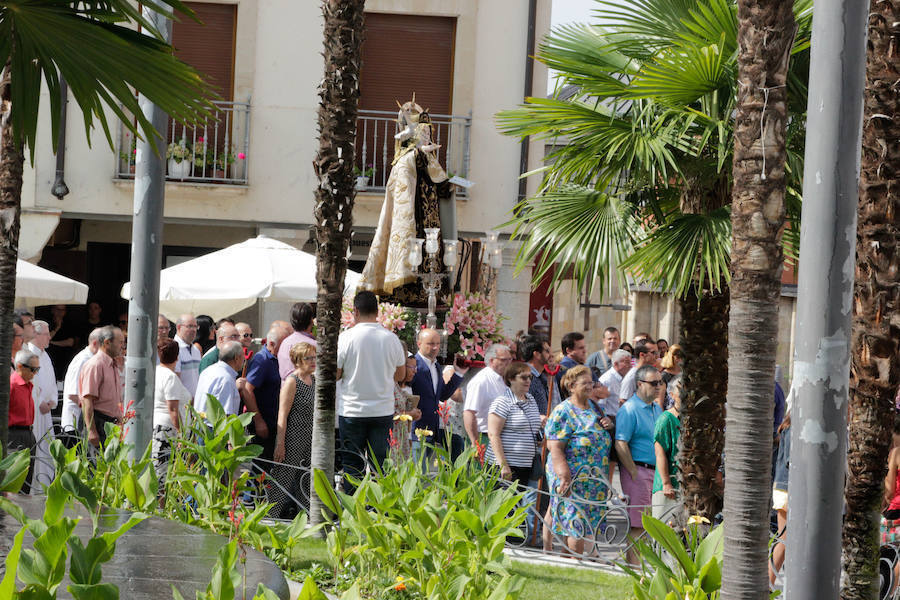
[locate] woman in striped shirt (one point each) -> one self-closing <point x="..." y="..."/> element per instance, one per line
<point x="515" y="427"/>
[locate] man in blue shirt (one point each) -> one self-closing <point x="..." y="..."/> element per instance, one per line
<point x="635" y="423"/>
<point x="261" y="393"/>
<point x="536" y="352"/>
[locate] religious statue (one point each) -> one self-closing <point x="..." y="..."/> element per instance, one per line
<point x="415" y="188"/>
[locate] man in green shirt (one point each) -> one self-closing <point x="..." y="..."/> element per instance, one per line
<point x="666" y="498"/>
<point x="224" y="334"/>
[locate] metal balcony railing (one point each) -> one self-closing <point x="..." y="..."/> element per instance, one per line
<point x="375" y="130"/>
<point x="212" y="151"/>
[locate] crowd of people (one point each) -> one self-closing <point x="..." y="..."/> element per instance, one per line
<point x="557" y="423"/>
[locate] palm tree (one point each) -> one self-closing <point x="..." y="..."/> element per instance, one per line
<point x="339" y="91"/>
<point x="875" y="354"/>
<point x="95" y="47"/>
<point x="765" y="38"/>
<point x="641" y="181"/>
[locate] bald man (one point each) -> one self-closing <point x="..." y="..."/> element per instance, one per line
<point x="428" y="384"/>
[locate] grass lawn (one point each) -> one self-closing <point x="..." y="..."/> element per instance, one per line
<point x="543" y="581"/>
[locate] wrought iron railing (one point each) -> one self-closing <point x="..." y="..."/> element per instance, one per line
<point x="375" y="130"/>
<point x="212" y="151"/>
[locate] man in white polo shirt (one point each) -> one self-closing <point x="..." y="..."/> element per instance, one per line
<point x="188" y="365"/>
<point x="370" y="359"/>
<point x="483" y="389"/>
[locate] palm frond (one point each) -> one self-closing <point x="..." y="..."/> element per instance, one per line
<point x="689" y="249"/>
<point x="595" y="144"/>
<point x="653" y="24"/>
<point x="582" y="56"/>
<point x="103" y="62"/>
<point x="578" y="228"/>
<point x="710" y="21"/>
<point x="683" y="74"/>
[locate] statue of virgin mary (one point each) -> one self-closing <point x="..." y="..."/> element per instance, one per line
<point x="415" y="188"/>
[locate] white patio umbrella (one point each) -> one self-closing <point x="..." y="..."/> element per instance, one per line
<point x="36" y="286"/>
<point x="221" y="283"/>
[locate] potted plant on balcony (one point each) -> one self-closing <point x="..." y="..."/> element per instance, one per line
<point x="203" y="157"/>
<point x="128" y="157"/>
<point x="179" y="156"/>
<point x="363" y="176"/>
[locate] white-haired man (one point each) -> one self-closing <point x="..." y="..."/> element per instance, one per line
<point x="612" y="379"/>
<point x="484" y="388"/>
<point x="188" y="365"/>
<point x="71" y="409"/>
<point x="21" y="407"/>
<point x="221" y="380"/>
<point x="46" y="397"/>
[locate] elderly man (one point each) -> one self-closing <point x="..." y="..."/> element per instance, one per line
<point x="21" y="407"/>
<point x="635" y="425"/>
<point x="484" y="388"/>
<point x="46" y="397"/>
<point x="101" y="386"/>
<point x="612" y="379"/>
<point x="602" y="358"/>
<point x="224" y="334"/>
<point x="188" y="365"/>
<point x="221" y="380"/>
<point x="370" y="359"/>
<point x="428" y="384"/>
<point x="302" y="315"/>
<point x="645" y="351"/>
<point x="162" y="328"/>
<point x="261" y="391"/>
<point x="246" y="334"/>
<point x="71" y="410"/>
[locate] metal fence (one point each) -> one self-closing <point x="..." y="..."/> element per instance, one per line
<point x="375" y="130"/>
<point x="213" y="151"/>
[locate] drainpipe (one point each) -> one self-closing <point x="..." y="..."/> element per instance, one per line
<point x="529" y="84"/>
<point x="60" y="189"/>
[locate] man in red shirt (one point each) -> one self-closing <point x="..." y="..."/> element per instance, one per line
<point x="21" y="407"/>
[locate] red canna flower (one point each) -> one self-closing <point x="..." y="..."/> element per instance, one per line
<point x="392" y="441"/>
<point x="444" y="412"/>
<point x="480" y="448"/>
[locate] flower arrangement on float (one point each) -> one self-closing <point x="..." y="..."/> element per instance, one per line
<point x="394" y="317"/>
<point x="472" y="324"/>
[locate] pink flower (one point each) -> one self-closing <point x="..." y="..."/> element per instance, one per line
<point x="241" y="155"/>
<point x="200" y="140"/>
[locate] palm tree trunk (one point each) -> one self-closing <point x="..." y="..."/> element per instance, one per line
<point x="12" y="161"/>
<point x="704" y="338"/>
<point x="875" y="353"/>
<point x="339" y="92"/>
<point x="765" y="36"/>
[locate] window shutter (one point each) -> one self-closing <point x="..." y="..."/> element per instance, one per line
<point x="209" y="46"/>
<point x="403" y="54"/>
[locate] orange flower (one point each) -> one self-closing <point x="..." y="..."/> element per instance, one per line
<point x="400" y="585"/>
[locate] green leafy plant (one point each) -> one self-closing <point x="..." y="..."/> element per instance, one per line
<point x="369" y="171"/>
<point x="179" y="151"/>
<point x="432" y="534"/>
<point x="675" y="566"/>
<point x="42" y="567"/>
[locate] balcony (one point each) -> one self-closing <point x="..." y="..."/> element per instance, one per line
<point x="214" y="151"/>
<point x="375" y="130"/>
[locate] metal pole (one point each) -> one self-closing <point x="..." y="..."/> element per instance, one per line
<point x="824" y="304"/>
<point x="146" y="262"/>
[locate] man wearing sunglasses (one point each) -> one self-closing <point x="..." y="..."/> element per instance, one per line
<point x="635" y="423"/>
<point x="21" y="407"/>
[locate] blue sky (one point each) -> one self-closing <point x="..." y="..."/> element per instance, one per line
<point x="569" y="11"/>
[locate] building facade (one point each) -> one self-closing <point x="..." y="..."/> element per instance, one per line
<point x="248" y="169"/>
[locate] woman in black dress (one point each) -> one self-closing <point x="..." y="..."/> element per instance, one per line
<point x="293" y="440"/>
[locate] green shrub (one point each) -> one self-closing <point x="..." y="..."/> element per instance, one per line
<point x="437" y="535"/>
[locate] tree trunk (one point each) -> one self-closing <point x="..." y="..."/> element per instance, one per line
<point x="339" y="93"/>
<point x="704" y="338"/>
<point x="12" y="160"/>
<point x="875" y="353"/>
<point x="765" y="35"/>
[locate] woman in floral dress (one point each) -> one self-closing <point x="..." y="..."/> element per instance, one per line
<point x="404" y="415"/>
<point x="578" y="464"/>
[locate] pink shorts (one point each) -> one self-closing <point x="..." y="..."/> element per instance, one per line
<point x="638" y="492"/>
